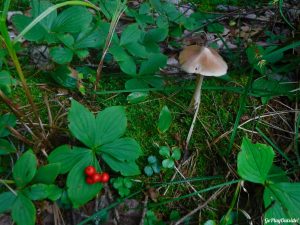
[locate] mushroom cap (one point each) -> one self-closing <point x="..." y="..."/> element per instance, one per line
<point x="202" y="60"/>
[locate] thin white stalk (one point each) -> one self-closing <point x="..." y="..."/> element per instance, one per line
<point x="197" y="100"/>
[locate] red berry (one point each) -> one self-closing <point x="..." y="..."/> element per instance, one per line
<point x="89" y="170"/>
<point x="97" y="177"/>
<point x="105" y="177"/>
<point x="89" y="180"/>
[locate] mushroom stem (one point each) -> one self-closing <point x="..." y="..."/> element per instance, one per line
<point x="196" y="105"/>
<point x="195" y="101"/>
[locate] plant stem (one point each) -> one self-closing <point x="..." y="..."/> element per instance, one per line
<point x="195" y="103"/>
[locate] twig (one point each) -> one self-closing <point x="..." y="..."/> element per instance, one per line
<point x="144" y="210"/>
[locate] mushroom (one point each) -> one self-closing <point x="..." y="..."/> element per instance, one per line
<point x="202" y="61"/>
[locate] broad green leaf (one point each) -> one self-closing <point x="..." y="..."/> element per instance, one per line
<point x="137" y="96"/>
<point x="36" y="192"/>
<point x="210" y="222"/>
<point x="277" y="175"/>
<point x="72" y="20"/>
<point x="155" y="81"/>
<point x="82" y="124"/>
<point x="61" y="55"/>
<point x="148" y="171"/>
<point x="78" y="190"/>
<point x="38" y="7"/>
<point x="125" y="61"/>
<point x="153" y="64"/>
<point x="168" y="163"/>
<point x="176" y="153"/>
<point x="23" y="211"/>
<point x="67" y="39"/>
<point x="6" y="147"/>
<point x="64" y="76"/>
<point x="54" y="192"/>
<point x="152" y="48"/>
<point x="25" y="169"/>
<point x="131" y="34"/>
<point x="287" y="200"/>
<point x="92" y="38"/>
<point x="164" y="120"/>
<point x="35" y="34"/>
<point x="7" y="200"/>
<point x="6" y="81"/>
<point x="255" y="161"/>
<point x="215" y="28"/>
<point x="144" y="8"/>
<point x="108" y="8"/>
<point x="110" y="124"/>
<point x="155" y="167"/>
<point x="136" y="49"/>
<point x="156" y="35"/>
<point x="47" y="174"/>
<point x="126" y="168"/>
<point x="164" y="151"/>
<point x="7" y="120"/>
<point x="67" y="157"/>
<point x="136" y="84"/>
<point x="122" y="149"/>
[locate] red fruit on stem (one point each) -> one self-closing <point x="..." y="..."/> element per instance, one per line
<point x="89" y="170"/>
<point x="97" y="177"/>
<point x="89" y="180"/>
<point x="105" y="177"/>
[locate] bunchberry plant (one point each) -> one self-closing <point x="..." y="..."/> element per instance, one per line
<point x="102" y="136"/>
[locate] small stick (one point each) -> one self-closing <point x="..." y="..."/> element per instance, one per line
<point x="144" y="209"/>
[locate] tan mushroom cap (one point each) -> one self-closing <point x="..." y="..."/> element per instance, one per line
<point x="202" y="60"/>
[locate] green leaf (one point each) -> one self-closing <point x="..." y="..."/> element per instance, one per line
<point x="148" y="171"/>
<point x="111" y="124"/>
<point x="155" y="167"/>
<point x="54" y="192"/>
<point x="215" y="28"/>
<point x="37" y="192"/>
<point x="64" y="76"/>
<point x="6" y="81"/>
<point x="176" y="153"/>
<point x="125" y="61"/>
<point x="7" y="120"/>
<point x="61" y="55"/>
<point x="35" y="34"/>
<point x="72" y="20"/>
<point x="6" y="147"/>
<point x="210" y="222"/>
<point x="122" y="149"/>
<point x="78" y="190"/>
<point x="136" y="97"/>
<point x="153" y="64"/>
<point x="164" y="151"/>
<point x="126" y="168"/>
<point x="67" y="157"/>
<point x="90" y="39"/>
<point x="156" y="35"/>
<point x="25" y="169"/>
<point x="255" y="161"/>
<point x="23" y="211"/>
<point x="277" y="175"/>
<point x="7" y="200"/>
<point x="82" y="54"/>
<point x="82" y="124"/>
<point x="164" y="120"/>
<point x="137" y="50"/>
<point x="131" y="34"/>
<point x="47" y="174"/>
<point x="287" y="200"/>
<point x="168" y="163"/>
<point x="38" y="7"/>
<point x="136" y="84"/>
<point x="67" y="39"/>
<point x="152" y="159"/>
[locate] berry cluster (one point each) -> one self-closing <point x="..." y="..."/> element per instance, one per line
<point x="94" y="177"/>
